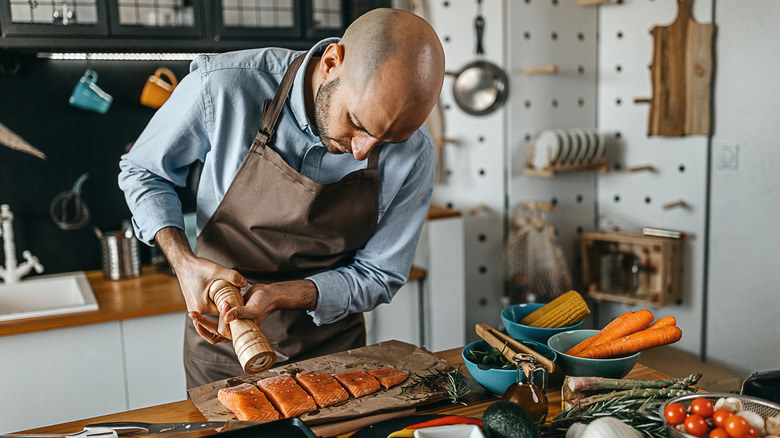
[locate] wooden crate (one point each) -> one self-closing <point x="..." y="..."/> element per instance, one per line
<point x="657" y="281"/>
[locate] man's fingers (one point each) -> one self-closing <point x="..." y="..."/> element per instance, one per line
<point x="206" y="328"/>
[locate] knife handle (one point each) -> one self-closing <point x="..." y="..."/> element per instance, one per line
<point x="252" y="347"/>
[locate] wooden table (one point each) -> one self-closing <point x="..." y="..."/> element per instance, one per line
<point x="186" y="411"/>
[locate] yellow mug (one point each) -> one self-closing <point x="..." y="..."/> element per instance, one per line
<point x="157" y="90"/>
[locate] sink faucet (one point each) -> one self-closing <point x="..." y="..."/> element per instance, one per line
<point x="12" y="272"/>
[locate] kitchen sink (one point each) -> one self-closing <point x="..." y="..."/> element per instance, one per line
<point x="46" y="295"/>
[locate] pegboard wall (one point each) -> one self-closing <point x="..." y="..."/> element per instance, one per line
<point x="602" y="54"/>
<point x="563" y="34"/>
<point x="678" y="167"/>
<point x="474" y="156"/>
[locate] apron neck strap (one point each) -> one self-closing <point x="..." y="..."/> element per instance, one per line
<point x="273" y="108"/>
<point x="373" y="158"/>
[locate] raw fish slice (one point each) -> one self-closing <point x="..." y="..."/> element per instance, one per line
<point x="389" y="377"/>
<point x="323" y="387"/>
<point x="287" y="396"/>
<point x="358" y="383"/>
<point x="248" y="403"/>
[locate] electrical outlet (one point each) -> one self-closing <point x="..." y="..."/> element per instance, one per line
<point x="728" y="157"/>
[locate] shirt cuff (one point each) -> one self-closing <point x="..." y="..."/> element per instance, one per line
<point x="156" y="213"/>
<point x="332" y="297"/>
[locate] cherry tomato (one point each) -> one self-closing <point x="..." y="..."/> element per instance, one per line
<point x="737" y="426"/>
<point x="696" y="425"/>
<point x="675" y="414"/>
<point x="752" y="433"/>
<point x="719" y="433"/>
<point x="702" y="407"/>
<point x="720" y="416"/>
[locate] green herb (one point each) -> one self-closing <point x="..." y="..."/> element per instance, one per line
<point x="624" y="409"/>
<point x="457" y="387"/>
<point x="493" y="358"/>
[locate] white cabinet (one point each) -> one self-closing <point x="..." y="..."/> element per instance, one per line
<point x="56" y="376"/>
<point x="153" y="360"/>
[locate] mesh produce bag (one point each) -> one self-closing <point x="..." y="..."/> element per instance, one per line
<point x="536" y="268"/>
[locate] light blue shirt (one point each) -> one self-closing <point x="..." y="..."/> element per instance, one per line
<point x="212" y="118"/>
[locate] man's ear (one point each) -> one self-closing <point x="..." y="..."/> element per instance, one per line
<point x="332" y="58"/>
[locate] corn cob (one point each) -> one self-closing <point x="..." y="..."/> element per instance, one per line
<point x="563" y="311"/>
<point x="547" y="308"/>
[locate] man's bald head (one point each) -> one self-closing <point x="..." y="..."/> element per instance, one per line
<point x="379" y="82"/>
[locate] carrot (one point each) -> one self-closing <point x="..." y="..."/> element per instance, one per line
<point x="573" y="351"/>
<point x="632" y="343"/>
<point x="633" y="323"/>
<point x="664" y="322"/>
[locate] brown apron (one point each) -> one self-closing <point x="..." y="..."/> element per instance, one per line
<point x="275" y="224"/>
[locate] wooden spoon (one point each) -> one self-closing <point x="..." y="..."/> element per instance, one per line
<point x="484" y="331"/>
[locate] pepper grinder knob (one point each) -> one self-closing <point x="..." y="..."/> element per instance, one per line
<point x="252" y="347"/>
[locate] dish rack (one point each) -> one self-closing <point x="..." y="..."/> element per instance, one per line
<point x="557" y="150"/>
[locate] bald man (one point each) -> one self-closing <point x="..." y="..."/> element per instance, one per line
<point x="314" y="177"/>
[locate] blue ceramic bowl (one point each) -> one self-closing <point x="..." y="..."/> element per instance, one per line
<point x="511" y="316"/>
<point x="495" y="380"/>
<point x="579" y="366"/>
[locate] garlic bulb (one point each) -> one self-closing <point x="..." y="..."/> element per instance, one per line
<point x="610" y="427"/>
<point x="755" y="420"/>
<point x="731" y="403"/>
<point x="773" y="425"/>
<point x="576" y="430"/>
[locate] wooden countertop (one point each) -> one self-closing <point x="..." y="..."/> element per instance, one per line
<point x="186" y="411"/>
<point x="153" y="293"/>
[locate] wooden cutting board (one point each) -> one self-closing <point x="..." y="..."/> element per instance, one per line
<point x="396" y="354"/>
<point x="681" y="74"/>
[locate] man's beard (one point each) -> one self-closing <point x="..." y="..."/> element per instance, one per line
<point x="321" y="114"/>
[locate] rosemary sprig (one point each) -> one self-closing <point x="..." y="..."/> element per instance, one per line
<point x="624" y="409"/>
<point x="457" y="387"/>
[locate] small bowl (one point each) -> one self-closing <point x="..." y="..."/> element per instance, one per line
<point x="495" y="380"/>
<point x="616" y="368"/>
<point x="511" y="316"/>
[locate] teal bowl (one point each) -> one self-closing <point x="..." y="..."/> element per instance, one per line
<point x="616" y="368"/>
<point x="495" y="380"/>
<point x="511" y="316"/>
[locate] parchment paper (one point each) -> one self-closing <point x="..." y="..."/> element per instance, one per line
<point x="384" y="354"/>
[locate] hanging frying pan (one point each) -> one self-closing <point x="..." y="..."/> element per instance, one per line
<point x="480" y="86"/>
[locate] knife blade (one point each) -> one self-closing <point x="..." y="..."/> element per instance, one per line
<point x="155" y="428"/>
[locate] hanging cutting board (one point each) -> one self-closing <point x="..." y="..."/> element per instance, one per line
<point x="681" y="74"/>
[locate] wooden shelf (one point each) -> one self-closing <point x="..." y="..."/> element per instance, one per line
<point x="647" y="268"/>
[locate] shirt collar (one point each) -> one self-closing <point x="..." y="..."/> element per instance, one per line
<point x="297" y="102"/>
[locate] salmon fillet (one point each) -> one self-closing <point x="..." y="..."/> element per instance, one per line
<point x="358" y="383"/>
<point x="323" y="387"/>
<point x="287" y="396"/>
<point x="389" y="376"/>
<point x="248" y="403"/>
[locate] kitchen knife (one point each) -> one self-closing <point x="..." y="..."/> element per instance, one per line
<point x="154" y="428"/>
<point x="95" y="432"/>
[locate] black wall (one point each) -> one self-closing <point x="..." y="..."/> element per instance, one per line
<point x="34" y="105"/>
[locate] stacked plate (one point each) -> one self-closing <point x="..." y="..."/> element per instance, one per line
<point x="568" y="147"/>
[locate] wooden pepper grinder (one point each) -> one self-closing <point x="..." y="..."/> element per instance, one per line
<point x="252" y="347"/>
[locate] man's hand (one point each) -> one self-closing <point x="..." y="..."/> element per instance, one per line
<point x="195" y="275"/>
<point x="262" y="299"/>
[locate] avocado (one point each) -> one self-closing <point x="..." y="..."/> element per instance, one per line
<point x="505" y="419"/>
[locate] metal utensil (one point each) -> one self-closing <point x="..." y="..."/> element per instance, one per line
<point x="480" y="87"/>
<point x="155" y="428"/>
<point x="88" y="432"/>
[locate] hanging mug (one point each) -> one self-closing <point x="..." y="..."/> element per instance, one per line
<point x="157" y="90"/>
<point x="87" y="95"/>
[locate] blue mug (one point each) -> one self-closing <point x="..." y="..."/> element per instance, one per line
<point x="87" y="95"/>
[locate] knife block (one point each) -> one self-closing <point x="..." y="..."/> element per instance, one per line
<point x="252" y="347"/>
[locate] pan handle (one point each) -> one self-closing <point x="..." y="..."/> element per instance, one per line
<point x="479" y="24"/>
